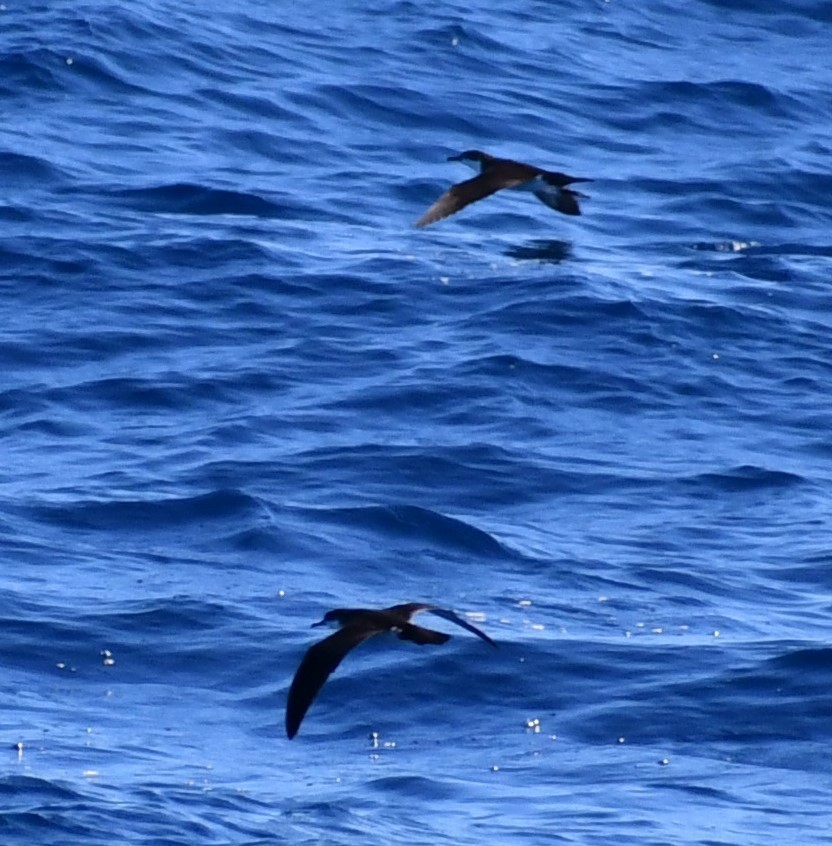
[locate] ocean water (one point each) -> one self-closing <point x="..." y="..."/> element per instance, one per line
<point x="239" y="388"/>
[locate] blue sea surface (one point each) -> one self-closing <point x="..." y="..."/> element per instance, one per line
<point x="239" y="388"/>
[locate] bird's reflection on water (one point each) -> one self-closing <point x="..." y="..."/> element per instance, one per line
<point x="541" y="249"/>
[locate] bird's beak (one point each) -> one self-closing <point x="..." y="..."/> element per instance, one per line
<point x="319" y="623"/>
<point x="454" y="158"/>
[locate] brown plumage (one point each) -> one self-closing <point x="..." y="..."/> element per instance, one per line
<point x="550" y="187"/>
<point x="357" y="625"/>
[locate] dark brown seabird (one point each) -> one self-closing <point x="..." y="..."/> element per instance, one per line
<point x="356" y="626"/>
<point x="548" y="186"/>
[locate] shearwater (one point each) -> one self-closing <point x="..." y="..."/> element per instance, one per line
<point x="356" y="626"/>
<point x="549" y="186"/>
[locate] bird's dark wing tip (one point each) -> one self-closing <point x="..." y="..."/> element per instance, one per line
<point x="293" y="719"/>
<point x="442" y="208"/>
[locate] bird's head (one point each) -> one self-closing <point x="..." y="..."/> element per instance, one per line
<point x="473" y="158"/>
<point x="332" y="618"/>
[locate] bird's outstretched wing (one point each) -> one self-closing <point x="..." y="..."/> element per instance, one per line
<point x="446" y="614"/>
<point x="315" y="668"/>
<point x="554" y="193"/>
<point x="560" y="199"/>
<point x="412" y="608"/>
<point x="462" y="194"/>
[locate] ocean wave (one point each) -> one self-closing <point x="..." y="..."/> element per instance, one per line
<point x="420" y="524"/>
<point x="138" y="515"/>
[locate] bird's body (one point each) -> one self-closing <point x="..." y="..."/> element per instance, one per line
<point x="356" y="626"/>
<point x="494" y="174"/>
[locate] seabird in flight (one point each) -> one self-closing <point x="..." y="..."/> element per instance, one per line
<point x="356" y="626"/>
<point x="549" y="186"/>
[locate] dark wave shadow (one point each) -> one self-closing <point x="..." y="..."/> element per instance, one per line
<point x="422" y="523"/>
<point x="192" y="199"/>
<point x="549" y="250"/>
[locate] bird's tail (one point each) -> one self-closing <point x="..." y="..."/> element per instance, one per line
<point x="422" y="636"/>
